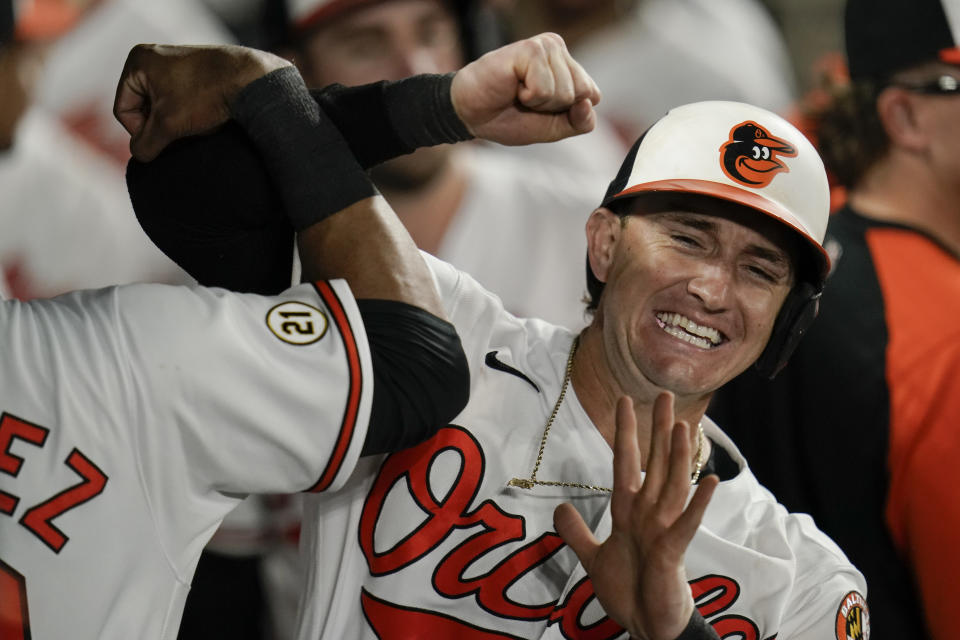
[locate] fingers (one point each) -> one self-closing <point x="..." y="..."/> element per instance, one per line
<point x="167" y="92"/>
<point x="689" y="521"/>
<point x="676" y="488"/>
<point x="626" y="459"/>
<point x="581" y="117"/>
<point x="159" y="130"/>
<point x="584" y="88"/>
<point x="658" y="458"/>
<point x="131" y="103"/>
<point x="135" y="104"/>
<point x="666" y="486"/>
<point x="575" y="532"/>
<point x="551" y="80"/>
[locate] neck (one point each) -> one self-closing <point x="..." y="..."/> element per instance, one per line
<point x="428" y="210"/>
<point x="598" y="388"/>
<point x="897" y="190"/>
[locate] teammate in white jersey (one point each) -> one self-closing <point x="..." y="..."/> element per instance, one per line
<point x="134" y="418"/>
<point x="704" y="258"/>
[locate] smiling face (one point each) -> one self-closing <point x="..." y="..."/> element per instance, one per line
<point x="693" y="288"/>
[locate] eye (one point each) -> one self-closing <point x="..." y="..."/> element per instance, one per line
<point x="766" y="153"/>
<point x="686" y="240"/>
<point x="756" y="152"/>
<point x="763" y="274"/>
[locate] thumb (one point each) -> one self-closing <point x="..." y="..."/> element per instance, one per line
<point x="582" y="117"/>
<point x="575" y="532"/>
<point x="131" y="105"/>
<point x="156" y="133"/>
<point x="550" y="127"/>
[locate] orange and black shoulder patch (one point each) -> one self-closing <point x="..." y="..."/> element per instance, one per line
<point x="752" y="156"/>
<point x="853" y="618"/>
<point x="297" y="323"/>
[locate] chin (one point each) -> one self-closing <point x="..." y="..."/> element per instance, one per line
<point x="686" y="378"/>
<point x="412" y="172"/>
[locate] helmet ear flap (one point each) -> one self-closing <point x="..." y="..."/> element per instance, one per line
<point x="795" y="317"/>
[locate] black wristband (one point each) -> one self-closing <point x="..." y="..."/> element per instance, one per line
<point x="383" y="120"/>
<point x="698" y="629"/>
<point x="360" y="114"/>
<point x="306" y="157"/>
<point x="421" y="110"/>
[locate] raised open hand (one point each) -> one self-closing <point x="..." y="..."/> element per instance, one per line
<point x="525" y="92"/>
<point x="638" y="572"/>
<point x="168" y="92"/>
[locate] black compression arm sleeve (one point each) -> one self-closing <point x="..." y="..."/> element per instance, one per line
<point x="421" y="377"/>
<point x="305" y="155"/>
<point x="383" y="120"/>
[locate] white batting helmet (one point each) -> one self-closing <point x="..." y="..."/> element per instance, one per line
<point x="735" y="152"/>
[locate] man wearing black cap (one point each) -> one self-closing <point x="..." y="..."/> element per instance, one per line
<point x="860" y="429"/>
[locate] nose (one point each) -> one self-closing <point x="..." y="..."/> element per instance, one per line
<point x="711" y="285"/>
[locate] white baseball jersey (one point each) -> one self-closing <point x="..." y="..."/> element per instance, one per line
<point x="523" y="215"/>
<point x="431" y="542"/>
<point x="134" y="418"/>
<point x="63" y="203"/>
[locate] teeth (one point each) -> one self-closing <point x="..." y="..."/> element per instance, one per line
<point x="696" y="341"/>
<point x="686" y="329"/>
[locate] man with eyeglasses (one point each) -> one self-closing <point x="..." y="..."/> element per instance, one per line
<point x="866" y="413"/>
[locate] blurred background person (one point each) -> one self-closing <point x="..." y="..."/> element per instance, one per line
<point x="488" y="210"/>
<point x="65" y="219"/>
<point x="81" y="68"/>
<point x="868" y="442"/>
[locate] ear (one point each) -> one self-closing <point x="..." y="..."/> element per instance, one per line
<point x="603" y="234"/>
<point x="898" y="110"/>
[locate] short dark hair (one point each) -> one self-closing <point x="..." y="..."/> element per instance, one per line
<point x="850" y="135"/>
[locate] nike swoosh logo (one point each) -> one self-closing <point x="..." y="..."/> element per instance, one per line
<point x="492" y="362"/>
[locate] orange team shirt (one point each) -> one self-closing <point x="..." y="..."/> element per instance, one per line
<point x="923" y="374"/>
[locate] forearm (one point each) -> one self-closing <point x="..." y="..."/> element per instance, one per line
<point x="383" y="120"/>
<point x="368" y="246"/>
<point x="345" y="229"/>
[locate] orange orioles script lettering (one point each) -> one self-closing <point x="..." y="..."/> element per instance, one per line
<point x="752" y="156"/>
<point x="448" y="509"/>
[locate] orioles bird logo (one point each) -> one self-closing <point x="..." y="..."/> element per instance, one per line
<point x="752" y="156"/>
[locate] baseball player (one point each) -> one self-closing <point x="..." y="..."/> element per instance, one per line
<point x="704" y="258"/>
<point x="134" y="418"/>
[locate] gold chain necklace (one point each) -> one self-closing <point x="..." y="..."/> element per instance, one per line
<point x="532" y="481"/>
